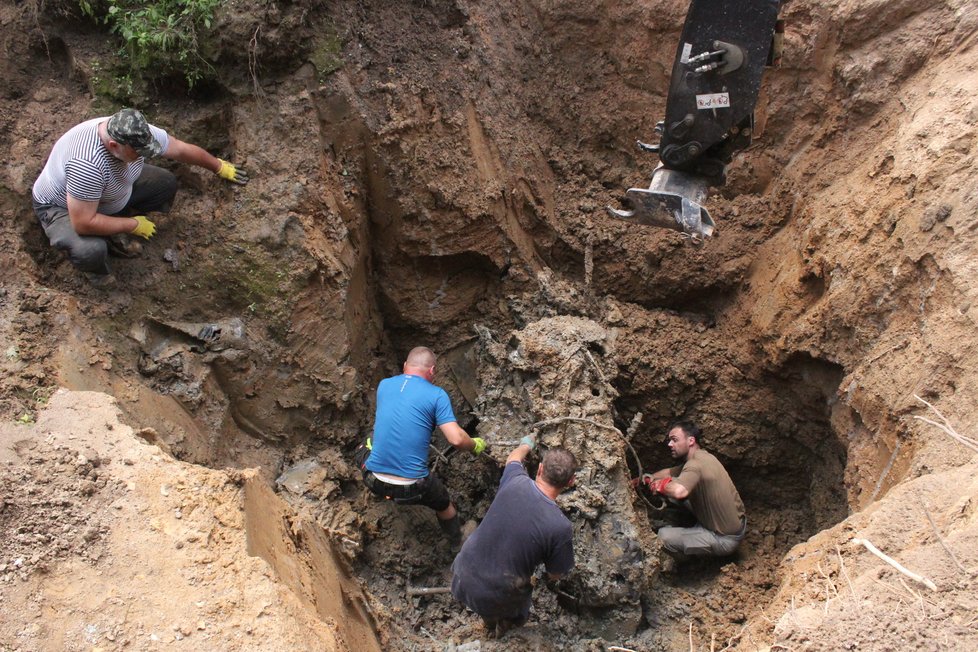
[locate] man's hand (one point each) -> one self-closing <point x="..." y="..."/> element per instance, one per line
<point x="230" y="173"/>
<point x="480" y="445"/>
<point x="528" y="440"/>
<point x="645" y="478"/>
<point x="144" y="228"/>
<point x="659" y="486"/>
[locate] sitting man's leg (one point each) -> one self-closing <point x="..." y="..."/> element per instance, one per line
<point x="87" y="253"/>
<point x="694" y="541"/>
<point x="434" y="494"/>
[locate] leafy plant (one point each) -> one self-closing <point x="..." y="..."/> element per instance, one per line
<point x="161" y="35"/>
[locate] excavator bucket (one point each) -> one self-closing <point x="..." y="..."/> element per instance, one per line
<point x="716" y="79"/>
<point x="674" y="200"/>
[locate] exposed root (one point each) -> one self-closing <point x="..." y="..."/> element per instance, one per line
<point x="946" y="426"/>
<point x="843" y="571"/>
<point x="895" y="564"/>
<point x="937" y="533"/>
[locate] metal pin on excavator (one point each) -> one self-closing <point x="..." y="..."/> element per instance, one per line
<point x="716" y="78"/>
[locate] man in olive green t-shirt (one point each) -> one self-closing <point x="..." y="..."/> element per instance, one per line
<point x="702" y="485"/>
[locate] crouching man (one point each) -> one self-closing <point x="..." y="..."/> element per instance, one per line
<point x="701" y="485"/>
<point x="96" y="185"/>
<point x="523" y="528"/>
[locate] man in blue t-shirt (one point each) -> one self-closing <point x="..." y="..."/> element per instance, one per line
<point x="523" y="528"/>
<point x="409" y="407"/>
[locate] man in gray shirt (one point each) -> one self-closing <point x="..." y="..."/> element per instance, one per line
<point x="96" y="176"/>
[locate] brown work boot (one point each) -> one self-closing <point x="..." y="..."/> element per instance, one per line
<point x="123" y="245"/>
<point x="101" y="281"/>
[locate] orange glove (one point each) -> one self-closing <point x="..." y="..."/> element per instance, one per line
<point x="659" y="486"/>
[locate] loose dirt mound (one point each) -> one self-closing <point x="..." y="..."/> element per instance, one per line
<point x="116" y="545"/>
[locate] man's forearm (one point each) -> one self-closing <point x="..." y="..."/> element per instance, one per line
<point x="195" y="155"/>
<point x="519" y="453"/>
<point x="456" y="436"/>
<point x="100" y="224"/>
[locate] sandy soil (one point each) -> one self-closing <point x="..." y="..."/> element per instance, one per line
<point x="443" y="183"/>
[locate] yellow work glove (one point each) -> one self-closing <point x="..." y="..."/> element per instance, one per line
<point x="480" y="445"/>
<point x="230" y="173"/>
<point x="144" y="228"/>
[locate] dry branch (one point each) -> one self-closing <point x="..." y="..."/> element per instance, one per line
<point x="735" y="637"/>
<point x="845" y="573"/>
<point x="895" y="564"/>
<point x="946" y="426"/>
<point x="937" y="533"/>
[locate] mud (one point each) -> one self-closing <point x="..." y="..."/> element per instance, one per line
<point x="435" y="173"/>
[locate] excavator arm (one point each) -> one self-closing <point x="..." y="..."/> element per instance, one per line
<point x="716" y="78"/>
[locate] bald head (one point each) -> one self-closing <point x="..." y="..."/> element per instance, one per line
<point x="420" y="362"/>
<point x="421" y="357"/>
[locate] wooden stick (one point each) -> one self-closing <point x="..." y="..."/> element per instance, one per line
<point x="965" y="441"/>
<point x="892" y="562"/>
<point x="937" y="533"/>
<point x="691" y="637"/>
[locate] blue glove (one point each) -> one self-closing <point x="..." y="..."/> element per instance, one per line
<point x="528" y="441"/>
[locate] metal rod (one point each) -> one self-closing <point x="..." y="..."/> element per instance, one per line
<point x="427" y="590"/>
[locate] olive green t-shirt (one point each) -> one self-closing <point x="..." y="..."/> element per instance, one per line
<point x="712" y="495"/>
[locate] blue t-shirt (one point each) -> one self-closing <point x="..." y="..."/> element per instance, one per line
<point x="522" y="529"/>
<point x="408" y="409"/>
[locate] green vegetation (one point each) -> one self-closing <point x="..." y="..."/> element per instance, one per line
<point x="159" y="36"/>
<point x="325" y="55"/>
<point x="115" y="86"/>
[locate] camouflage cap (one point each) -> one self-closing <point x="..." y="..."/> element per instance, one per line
<point x="129" y="127"/>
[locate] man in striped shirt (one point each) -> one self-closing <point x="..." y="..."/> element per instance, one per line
<point x="96" y="177"/>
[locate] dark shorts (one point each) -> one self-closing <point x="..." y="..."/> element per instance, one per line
<point x="430" y="491"/>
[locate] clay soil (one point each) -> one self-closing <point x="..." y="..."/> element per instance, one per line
<point x="436" y="173"/>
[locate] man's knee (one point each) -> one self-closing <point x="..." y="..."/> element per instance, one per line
<point x="671" y="538"/>
<point x="725" y="546"/>
<point x="90" y="255"/>
<point x="87" y="253"/>
<point x="168" y="186"/>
